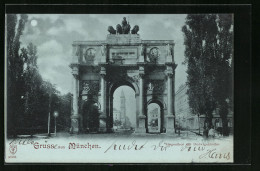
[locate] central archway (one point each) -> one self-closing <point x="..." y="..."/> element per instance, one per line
<point x="123" y="107"/>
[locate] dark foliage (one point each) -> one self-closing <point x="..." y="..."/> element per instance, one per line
<point x="30" y="99"/>
<point x="208" y="55"/>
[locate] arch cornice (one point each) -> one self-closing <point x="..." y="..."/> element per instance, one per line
<point x="127" y="82"/>
<point x="158" y="101"/>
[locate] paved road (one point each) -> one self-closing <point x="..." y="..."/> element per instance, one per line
<point x="126" y="135"/>
<point x="184" y="135"/>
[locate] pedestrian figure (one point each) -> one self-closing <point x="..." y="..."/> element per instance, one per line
<point x="212" y="132"/>
<point x="71" y="130"/>
<point x="205" y="132"/>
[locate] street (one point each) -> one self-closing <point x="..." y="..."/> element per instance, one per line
<point x="184" y="135"/>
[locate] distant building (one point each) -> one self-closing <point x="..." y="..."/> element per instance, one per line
<point x="217" y="121"/>
<point x="122" y="108"/>
<point x="186" y="119"/>
<point x="116" y="114"/>
<point x="153" y="114"/>
<point x="121" y="115"/>
<point x="154" y="120"/>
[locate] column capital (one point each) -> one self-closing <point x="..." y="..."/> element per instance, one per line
<point x="75" y="71"/>
<point x="169" y="74"/>
<point x="103" y="71"/>
<point x="170" y="116"/>
<point x="103" y="74"/>
<point x="76" y="76"/>
<point x="141" y="116"/>
<point x="171" y="64"/>
<point x="74" y="65"/>
<point x="169" y="70"/>
<point x="102" y="116"/>
<point x="74" y="117"/>
<point x="175" y="66"/>
<point x="141" y="71"/>
<point x="141" y="75"/>
<point x="141" y="53"/>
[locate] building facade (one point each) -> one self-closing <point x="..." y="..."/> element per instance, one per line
<point x="154" y="121"/>
<point x="120" y="115"/>
<point x="116" y="115"/>
<point x="122" y="108"/>
<point x="184" y="117"/>
<point x="191" y="121"/>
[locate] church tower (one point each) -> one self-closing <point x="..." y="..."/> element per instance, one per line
<point x="122" y="108"/>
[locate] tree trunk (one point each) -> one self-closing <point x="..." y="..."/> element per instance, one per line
<point x="208" y="120"/>
<point x="223" y="112"/>
<point x="225" y="127"/>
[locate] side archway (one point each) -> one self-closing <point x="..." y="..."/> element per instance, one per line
<point x="90" y="115"/>
<point x="153" y="120"/>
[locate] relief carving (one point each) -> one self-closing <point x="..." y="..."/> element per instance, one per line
<point x="168" y="50"/>
<point x="153" y="55"/>
<point x="150" y="87"/>
<point x="135" y="78"/>
<point x="155" y="86"/>
<point x="141" y="50"/>
<point x="89" y="56"/>
<point x="90" y="87"/>
<point x="124" y="28"/>
<point x="103" y="50"/>
<point x="77" y="51"/>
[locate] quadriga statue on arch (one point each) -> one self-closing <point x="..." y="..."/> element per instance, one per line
<point x="124" y="28"/>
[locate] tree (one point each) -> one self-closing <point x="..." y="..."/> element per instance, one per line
<point x="64" y="109"/>
<point x="224" y="68"/>
<point x="207" y="48"/>
<point x="51" y="95"/>
<point x="198" y="57"/>
<point x="33" y="88"/>
<point x="15" y="82"/>
<point x="30" y="99"/>
<point x="42" y="98"/>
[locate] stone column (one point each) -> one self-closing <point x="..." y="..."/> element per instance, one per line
<point x="110" y="117"/>
<point x="103" y="53"/>
<point x="141" y="53"/>
<point x="142" y="116"/>
<point x="159" y="122"/>
<point x="103" y="116"/>
<point x="75" y="114"/>
<point x="170" y="116"/>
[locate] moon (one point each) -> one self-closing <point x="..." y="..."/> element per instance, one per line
<point x="34" y="23"/>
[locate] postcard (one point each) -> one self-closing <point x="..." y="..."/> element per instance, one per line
<point x="119" y="88"/>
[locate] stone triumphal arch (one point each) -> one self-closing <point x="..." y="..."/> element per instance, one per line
<point x="100" y="67"/>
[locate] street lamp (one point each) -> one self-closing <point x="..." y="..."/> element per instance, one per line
<point x="49" y="115"/>
<point x="199" y="122"/>
<point x="55" y="114"/>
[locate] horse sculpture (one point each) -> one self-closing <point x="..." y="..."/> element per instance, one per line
<point x="111" y="30"/>
<point x="124" y="28"/>
<point x="135" y="29"/>
<point x="119" y="29"/>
